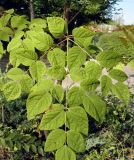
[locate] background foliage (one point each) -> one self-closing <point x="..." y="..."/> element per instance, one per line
<point x="86" y="10"/>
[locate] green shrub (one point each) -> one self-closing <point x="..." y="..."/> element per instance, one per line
<point x="117" y="42"/>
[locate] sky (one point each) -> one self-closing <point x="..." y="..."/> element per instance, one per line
<point x="127" y="12"/>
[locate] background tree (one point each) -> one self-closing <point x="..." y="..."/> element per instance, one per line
<point x="85" y="10"/>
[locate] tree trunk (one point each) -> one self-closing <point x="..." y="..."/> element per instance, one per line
<point x="66" y="14"/>
<point x="31" y="9"/>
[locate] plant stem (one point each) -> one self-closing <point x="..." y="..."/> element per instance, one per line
<point x="81" y="48"/>
<point x="2" y="112"/>
<point x="66" y="107"/>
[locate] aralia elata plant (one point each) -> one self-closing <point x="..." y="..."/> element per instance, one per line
<point x="62" y="78"/>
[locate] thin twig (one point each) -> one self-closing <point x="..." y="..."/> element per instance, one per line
<point x="54" y="47"/>
<point x="75" y="15"/>
<point x="2" y="110"/>
<point x="81" y="48"/>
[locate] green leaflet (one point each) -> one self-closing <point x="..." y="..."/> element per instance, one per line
<point x="118" y="75"/>
<point x="75" y="96"/>
<point x="95" y="107"/>
<point x="57" y="57"/>
<point x="93" y="70"/>
<point x="78" y="74"/>
<point x="89" y="84"/>
<point x="58" y="93"/>
<point x="38" y="39"/>
<point x="56" y="26"/>
<point x="38" y="23"/>
<point x="109" y="59"/>
<point x="18" y="34"/>
<point x="5" y="33"/>
<point x="37" y="70"/>
<point x="57" y="72"/>
<point x="77" y="119"/>
<point x="45" y="84"/>
<point x="26" y="83"/>
<point x="76" y="57"/>
<point x="38" y="102"/>
<point x="3" y="81"/>
<point x="10" y="11"/>
<point x="18" y="22"/>
<point x="12" y="90"/>
<point x="55" y="140"/>
<point x="106" y="84"/>
<point x="122" y="92"/>
<point x="24" y="79"/>
<point x="21" y="56"/>
<point x="15" y="74"/>
<point x="5" y="19"/>
<point x="28" y="44"/>
<point x="75" y="141"/>
<point x="54" y="118"/>
<point x="83" y="36"/>
<point x="15" y="43"/>
<point x="1" y="50"/>
<point x="65" y="153"/>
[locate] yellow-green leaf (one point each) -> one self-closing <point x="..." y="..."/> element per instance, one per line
<point x="77" y="119"/>
<point x="76" y="57"/>
<point x="57" y="57"/>
<point x="55" y="140"/>
<point x="65" y="153"/>
<point x="121" y="91"/>
<point x="54" y="118"/>
<point x="106" y="84"/>
<point x="37" y="70"/>
<point x="76" y="141"/>
<point x="12" y="90"/>
<point x="38" y="102"/>
<point x="95" y="107"/>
